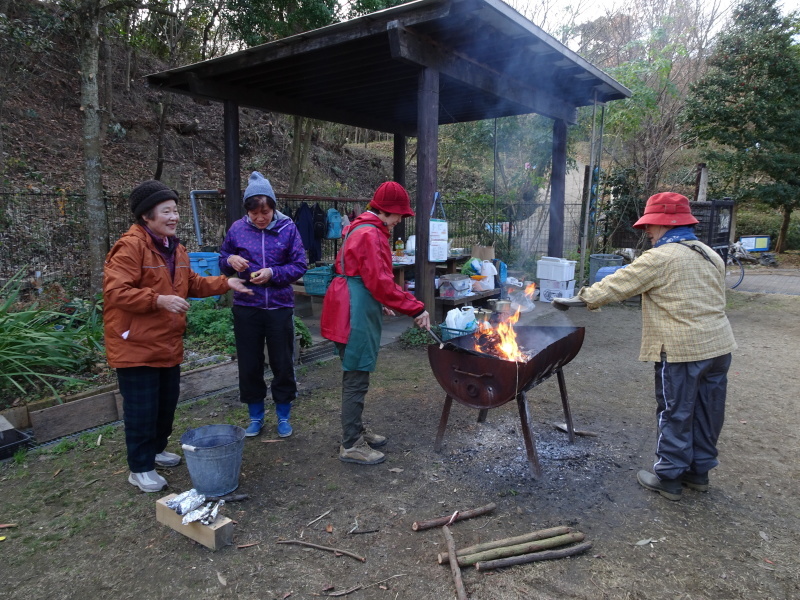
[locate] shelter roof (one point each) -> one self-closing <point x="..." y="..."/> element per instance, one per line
<point x="364" y="72"/>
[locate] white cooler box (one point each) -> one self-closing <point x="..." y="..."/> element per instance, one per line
<point x="555" y="269"/>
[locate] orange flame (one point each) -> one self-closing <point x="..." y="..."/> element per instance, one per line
<point x="507" y="348"/>
<point x="530" y="289"/>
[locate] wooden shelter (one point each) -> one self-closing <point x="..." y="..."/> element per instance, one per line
<point x="405" y="71"/>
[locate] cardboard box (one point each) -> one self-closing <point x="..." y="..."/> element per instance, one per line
<point x="483" y="252"/>
<point x="214" y="536"/>
<point x="549" y="289"/>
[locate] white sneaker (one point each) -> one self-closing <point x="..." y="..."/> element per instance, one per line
<point x="167" y="459"/>
<point x="148" y="482"/>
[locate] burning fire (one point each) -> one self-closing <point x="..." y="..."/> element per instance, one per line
<point x="500" y="340"/>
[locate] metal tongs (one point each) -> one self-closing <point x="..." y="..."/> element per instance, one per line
<point x="456" y="348"/>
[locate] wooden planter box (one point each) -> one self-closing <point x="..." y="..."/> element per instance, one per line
<point x="50" y="421"/>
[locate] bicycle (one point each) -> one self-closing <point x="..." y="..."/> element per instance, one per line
<point x="733" y="255"/>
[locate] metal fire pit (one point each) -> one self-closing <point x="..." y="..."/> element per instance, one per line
<point x="484" y="381"/>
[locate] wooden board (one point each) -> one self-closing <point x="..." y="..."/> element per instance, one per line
<point x="64" y="419"/>
<point x="209" y="379"/>
<point x="213" y="536"/>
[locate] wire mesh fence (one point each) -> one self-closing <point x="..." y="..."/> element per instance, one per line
<point x="47" y="234"/>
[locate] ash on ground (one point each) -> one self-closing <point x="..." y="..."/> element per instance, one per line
<point x="495" y="449"/>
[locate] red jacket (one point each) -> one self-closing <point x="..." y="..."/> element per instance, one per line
<point x="366" y="254"/>
<point x="135" y="275"/>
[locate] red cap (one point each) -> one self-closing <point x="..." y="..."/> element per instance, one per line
<point x="667" y="208"/>
<point x="391" y="197"/>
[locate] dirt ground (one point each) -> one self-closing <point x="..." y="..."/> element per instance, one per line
<point x="83" y="532"/>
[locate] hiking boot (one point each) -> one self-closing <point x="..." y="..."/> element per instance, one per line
<point x="254" y="428"/>
<point x="695" y="481"/>
<point x="282" y="411"/>
<point x="167" y="459"/>
<point x="669" y="488"/>
<point x="148" y="482"/>
<point x="373" y="439"/>
<point x="361" y="453"/>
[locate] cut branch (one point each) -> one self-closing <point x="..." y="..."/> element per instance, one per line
<point x="318" y="547"/>
<point x="512" y="541"/>
<point x="553" y="542"/>
<point x="464" y="514"/>
<point x="533" y="557"/>
<point x="454" y="568"/>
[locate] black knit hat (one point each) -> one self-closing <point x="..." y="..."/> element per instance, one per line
<point x="149" y="193"/>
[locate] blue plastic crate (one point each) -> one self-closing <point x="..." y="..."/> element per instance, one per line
<point x="448" y="333"/>
<point x="205" y="264"/>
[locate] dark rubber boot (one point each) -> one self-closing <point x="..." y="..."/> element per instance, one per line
<point x="669" y="488"/>
<point x="695" y="481"/>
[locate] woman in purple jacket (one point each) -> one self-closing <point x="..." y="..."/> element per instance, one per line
<point x="265" y="249"/>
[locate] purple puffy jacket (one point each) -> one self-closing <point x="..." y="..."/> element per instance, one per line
<point x="278" y="247"/>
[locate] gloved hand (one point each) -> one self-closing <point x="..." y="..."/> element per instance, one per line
<point x="566" y="303"/>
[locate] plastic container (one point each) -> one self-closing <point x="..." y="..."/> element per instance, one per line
<point x="316" y="281"/>
<point x="12" y="440"/>
<point x="556" y="269"/>
<point x="214" y="458"/>
<point x="604" y="271"/>
<point x="448" y="333"/>
<point x="597" y="261"/>
<point x="205" y="264"/>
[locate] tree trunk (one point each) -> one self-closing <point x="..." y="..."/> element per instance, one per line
<point x="162" y="128"/>
<point x="780" y="245"/>
<point x="92" y="157"/>
<point x="301" y="145"/>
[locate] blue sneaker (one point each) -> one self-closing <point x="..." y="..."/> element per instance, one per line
<point x="254" y="428"/>
<point x="282" y="412"/>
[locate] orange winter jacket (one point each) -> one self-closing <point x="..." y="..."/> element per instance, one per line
<point x="137" y="332"/>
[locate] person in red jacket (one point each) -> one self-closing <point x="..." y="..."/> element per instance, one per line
<point x="363" y="290"/>
<point x="146" y="281"/>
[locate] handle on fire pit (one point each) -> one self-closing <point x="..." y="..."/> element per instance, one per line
<point x="460" y="372"/>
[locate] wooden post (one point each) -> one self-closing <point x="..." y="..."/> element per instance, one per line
<point x="399" y="173"/>
<point x="555" y="238"/>
<point x="233" y="185"/>
<point x="427" y="158"/>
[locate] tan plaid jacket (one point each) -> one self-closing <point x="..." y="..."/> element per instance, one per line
<point x="683" y="301"/>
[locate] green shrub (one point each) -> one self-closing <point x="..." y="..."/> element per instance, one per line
<point x="209" y="327"/>
<point x="41" y="348"/>
<point x="414" y="337"/>
<point x="767" y="221"/>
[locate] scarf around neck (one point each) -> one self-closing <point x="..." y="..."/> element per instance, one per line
<point x="676" y="234"/>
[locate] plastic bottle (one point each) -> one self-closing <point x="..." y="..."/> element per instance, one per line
<point x="399" y="247"/>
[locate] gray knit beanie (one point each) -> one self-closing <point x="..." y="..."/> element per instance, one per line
<point x="149" y="193"/>
<point x="258" y="185"/>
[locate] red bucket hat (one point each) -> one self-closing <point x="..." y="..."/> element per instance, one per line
<point x="667" y="208"/>
<point x="391" y="197"/>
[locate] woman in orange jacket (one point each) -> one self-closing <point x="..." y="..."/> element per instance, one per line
<point x="147" y="279"/>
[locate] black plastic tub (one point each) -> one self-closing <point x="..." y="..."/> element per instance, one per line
<point x="12" y="440"/>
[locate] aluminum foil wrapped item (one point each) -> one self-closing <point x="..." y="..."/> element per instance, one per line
<point x="197" y="514"/>
<point x="186" y="502"/>
<point x="212" y="516"/>
<point x="205" y="514"/>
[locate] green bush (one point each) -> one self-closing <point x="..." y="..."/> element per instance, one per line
<point x="209" y="327"/>
<point x="767" y="221"/>
<point x="42" y="348"/>
<point x="414" y="337"/>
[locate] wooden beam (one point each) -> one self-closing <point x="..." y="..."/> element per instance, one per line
<point x="427" y="159"/>
<point x="417" y="49"/>
<point x="233" y="184"/>
<point x="555" y="237"/>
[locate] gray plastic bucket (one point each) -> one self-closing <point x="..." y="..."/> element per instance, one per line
<point x="214" y="457"/>
<point x="597" y="261"/>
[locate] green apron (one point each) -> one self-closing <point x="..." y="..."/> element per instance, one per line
<point x="360" y="353"/>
